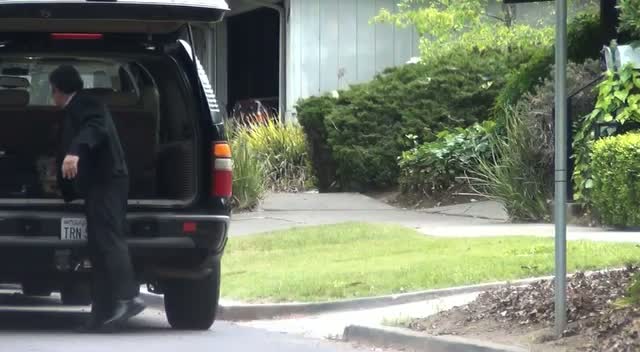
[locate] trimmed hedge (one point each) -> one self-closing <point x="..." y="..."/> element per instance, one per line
<point x="356" y="139"/>
<point x="369" y="126"/>
<point x="616" y="180"/>
<point x="311" y="116"/>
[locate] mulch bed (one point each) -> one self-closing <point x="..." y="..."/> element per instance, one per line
<point x="597" y="320"/>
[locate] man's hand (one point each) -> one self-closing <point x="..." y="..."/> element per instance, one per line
<point x="70" y="167"/>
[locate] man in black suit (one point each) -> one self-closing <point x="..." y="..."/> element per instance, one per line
<point x="92" y="167"/>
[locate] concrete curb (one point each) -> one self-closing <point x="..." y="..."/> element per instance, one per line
<point x="248" y="312"/>
<point x="388" y="337"/>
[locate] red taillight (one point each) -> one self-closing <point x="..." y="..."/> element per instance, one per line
<point x="222" y="171"/>
<point x="189" y="227"/>
<point x="76" y="36"/>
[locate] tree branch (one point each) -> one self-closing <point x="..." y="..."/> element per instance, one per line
<point x="496" y="18"/>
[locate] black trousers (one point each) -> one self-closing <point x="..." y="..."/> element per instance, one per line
<point x="112" y="272"/>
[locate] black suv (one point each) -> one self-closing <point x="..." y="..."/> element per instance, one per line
<point x="136" y="56"/>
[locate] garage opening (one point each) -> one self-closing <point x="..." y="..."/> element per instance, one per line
<point x="253" y="71"/>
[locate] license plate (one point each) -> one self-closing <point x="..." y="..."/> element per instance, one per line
<point x="73" y="229"/>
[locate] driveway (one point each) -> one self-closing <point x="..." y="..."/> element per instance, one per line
<point x="43" y="325"/>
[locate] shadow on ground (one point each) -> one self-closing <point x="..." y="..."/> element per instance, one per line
<point x="19" y="313"/>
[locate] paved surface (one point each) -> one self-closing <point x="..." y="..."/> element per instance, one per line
<point x="36" y="325"/>
<point x="479" y="219"/>
<point x="284" y="211"/>
<point x="544" y="230"/>
<point x="483" y="210"/>
<point x="332" y="325"/>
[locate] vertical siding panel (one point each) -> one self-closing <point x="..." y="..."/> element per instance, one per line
<point x="329" y="45"/>
<point x="403" y="38"/>
<point x="366" y="40"/>
<point x="310" y="42"/>
<point x="332" y="45"/>
<point x="385" y="48"/>
<point x="348" y="43"/>
<point x="294" y="78"/>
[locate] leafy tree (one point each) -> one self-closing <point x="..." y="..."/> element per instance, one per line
<point x="445" y="25"/>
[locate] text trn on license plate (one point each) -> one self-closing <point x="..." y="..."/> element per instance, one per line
<point x="73" y="229"/>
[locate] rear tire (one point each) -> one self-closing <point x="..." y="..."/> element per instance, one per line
<point x="76" y="294"/>
<point x="192" y="304"/>
<point x="35" y="289"/>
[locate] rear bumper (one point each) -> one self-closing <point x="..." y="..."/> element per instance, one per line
<point x="31" y="246"/>
<point x="30" y="229"/>
<point x="134" y="243"/>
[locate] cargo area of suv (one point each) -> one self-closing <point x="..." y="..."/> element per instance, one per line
<point x="137" y="58"/>
<point x="158" y="136"/>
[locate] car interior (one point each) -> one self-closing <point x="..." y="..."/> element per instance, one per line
<point x="155" y="155"/>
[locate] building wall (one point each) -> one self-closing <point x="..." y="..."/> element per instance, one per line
<point x="332" y="44"/>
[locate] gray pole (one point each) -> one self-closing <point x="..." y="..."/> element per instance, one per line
<point x="561" y="167"/>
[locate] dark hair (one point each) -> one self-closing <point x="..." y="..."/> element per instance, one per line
<point x="66" y="79"/>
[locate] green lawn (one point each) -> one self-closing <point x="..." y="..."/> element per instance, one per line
<point x="357" y="260"/>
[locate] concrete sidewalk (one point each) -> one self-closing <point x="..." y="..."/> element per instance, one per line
<point x="482" y="210"/>
<point x="479" y="219"/>
<point x="284" y="211"/>
<point x="542" y="230"/>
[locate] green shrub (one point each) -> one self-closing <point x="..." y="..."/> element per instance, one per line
<point x="585" y="36"/>
<point x="367" y="130"/>
<point x="538" y="107"/>
<point x="632" y="298"/>
<point x="248" y="174"/>
<point x="467" y="26"/>
<point x="584" y="42"/>
<point x="434" y="169"/>
<point x="311" y="114"/>
<point x="282" y="151"/>
<point x="616" y="179"/>
<point x="618" y="105"/>
<point x="630" y="16"/>
<point x="363" y="132"/>
<point x="530" y="75"/>
<point x="514" y="173"/>
<point x="520" y="171"/>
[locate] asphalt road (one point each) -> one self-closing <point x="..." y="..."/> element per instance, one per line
<point x="36" y="324"/>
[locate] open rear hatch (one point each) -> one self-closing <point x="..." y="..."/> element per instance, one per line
<point x="107" y="16"/>
<point x="170" y="145"/>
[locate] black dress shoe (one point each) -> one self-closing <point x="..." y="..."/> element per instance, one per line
<point x="94" y="324"/>
<point x="124" y="311"/>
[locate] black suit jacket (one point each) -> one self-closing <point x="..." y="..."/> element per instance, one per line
<point x="89" y="132"/>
